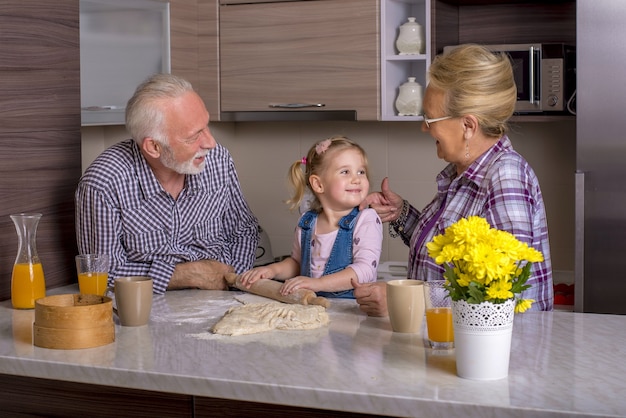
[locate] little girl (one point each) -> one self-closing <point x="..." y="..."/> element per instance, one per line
<point x="334" y="242"/>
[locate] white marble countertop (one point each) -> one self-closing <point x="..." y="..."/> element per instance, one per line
<point x="562" y="364"/>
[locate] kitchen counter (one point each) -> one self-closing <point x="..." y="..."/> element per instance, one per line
<point x="562" y="363"/>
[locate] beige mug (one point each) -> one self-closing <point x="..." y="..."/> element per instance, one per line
<point x="405" y="305"/>
<point x="133" y="300"/>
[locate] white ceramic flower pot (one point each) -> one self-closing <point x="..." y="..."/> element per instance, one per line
<point x="482" y="339"/>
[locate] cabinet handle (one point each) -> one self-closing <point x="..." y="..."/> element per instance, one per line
<point x="95" y="108"/>
<point x="295" y="105"/>
<point x="531" y="75"/>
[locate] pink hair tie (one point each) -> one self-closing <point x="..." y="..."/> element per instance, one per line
<point x="303" y="160"/>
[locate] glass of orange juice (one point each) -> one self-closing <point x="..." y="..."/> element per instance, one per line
<point x="93" y="272"/>
<point x="438" y="315"/>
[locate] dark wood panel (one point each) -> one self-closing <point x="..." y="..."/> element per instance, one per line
<point x="483" y="2"/>
<point x="39" y="173"/>
<point x="40" y="151"/>
<point x="37" y="100"/>
<point x="212" y="407"/>
<point x="505" y="21"/>
<point x="49" y="44"/>
<point x="518" y="23"/>
<point x="445" y="18"/>
<point x="39" y="65"/>
<point x="29" y="397"/>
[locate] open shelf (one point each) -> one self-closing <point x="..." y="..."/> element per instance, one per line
<point x="396" y="68"/>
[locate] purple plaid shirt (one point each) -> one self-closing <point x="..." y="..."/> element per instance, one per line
<point x="501" y="187"/>
<point x="122" y="210"/>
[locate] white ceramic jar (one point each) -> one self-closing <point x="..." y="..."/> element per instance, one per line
<point x="409" y="100"/>
<point x="411" y="38"/>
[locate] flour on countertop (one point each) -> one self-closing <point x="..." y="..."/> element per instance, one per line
<point x="183" y="313"/>
<point x="275" y="339"/>
<point x="253" y="318"/>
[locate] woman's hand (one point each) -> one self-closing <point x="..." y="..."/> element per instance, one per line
<point x="386" y="203"/>
<point x="371" y="297"/>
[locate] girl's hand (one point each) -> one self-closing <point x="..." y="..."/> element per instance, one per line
<point x="257" y="273"/>
<point x="298" y="282"/>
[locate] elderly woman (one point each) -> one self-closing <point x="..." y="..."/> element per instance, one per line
<point x="470" y="97"/>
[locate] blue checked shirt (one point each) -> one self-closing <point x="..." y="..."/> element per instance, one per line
<point x="122" y="210"/>
<point x="501" y="187"/>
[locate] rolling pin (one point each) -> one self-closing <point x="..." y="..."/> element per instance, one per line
<point x="271" y="289"/>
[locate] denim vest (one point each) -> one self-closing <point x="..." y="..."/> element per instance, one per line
<point x="340" y="255"/>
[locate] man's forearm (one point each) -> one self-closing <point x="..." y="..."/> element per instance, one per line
<point x="201" y="274"/>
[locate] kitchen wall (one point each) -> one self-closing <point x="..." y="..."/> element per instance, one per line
<point x="263" y="152"/>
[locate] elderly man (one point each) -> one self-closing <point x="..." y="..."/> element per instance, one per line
<point x="167" y="203"/>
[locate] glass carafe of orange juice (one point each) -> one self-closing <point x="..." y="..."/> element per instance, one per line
<point x="27" y="282"/>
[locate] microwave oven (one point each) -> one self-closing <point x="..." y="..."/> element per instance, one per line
<point x="545" y="76"/>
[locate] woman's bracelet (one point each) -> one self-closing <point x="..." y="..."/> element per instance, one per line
<point x="396" y="227"/>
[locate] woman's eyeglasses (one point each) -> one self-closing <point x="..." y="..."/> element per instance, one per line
<point x="429" y="121"/>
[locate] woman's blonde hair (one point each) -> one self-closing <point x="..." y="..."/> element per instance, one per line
<point x="479" y="82"/>
<point x="315" y="162"/>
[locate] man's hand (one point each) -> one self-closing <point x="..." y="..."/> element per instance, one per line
<point x="371" y="297"/>
<point x="201" y="274"/>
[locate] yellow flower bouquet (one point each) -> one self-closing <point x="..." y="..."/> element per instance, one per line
<point x="483" y="263"/>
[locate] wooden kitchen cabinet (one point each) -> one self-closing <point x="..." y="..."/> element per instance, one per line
<point x="208" y="56"/>
<point x="35" y="397"/>
<point x="502" y="21"/>
<point x="184" y="23"/>
<point x="194" y="48"/>
<point x="341" y="53"/>
<point x="298" y="53"/>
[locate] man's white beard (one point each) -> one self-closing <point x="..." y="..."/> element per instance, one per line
<point x="186" y="167"/>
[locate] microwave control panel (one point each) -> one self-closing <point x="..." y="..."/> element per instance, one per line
<point x="552" y="93"/>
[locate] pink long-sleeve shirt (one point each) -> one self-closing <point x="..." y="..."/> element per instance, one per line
<point x="366" y="247"/>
